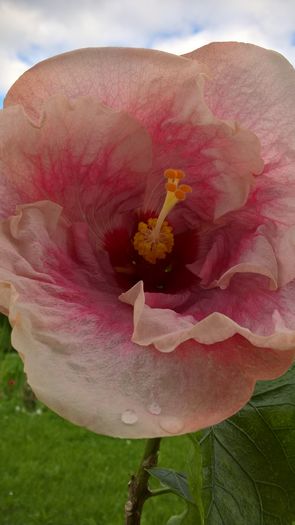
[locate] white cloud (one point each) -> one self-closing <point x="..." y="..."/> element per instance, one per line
<point x="181" y="45"/>
<point x="31" y="30"/>
<point x="266" y="23"/>
<point x="10" y="69"/>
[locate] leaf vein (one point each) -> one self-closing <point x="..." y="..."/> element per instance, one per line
<point x="249" y="438"/>
<point x="275" y="436"/>
<point x="247" y="475"/>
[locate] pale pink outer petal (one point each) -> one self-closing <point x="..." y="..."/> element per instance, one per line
<point x="74" y="337"/>
<point x="9" y="196"/>
<point x="86" y="157"/>
<point x="256" y="86"/>
<point x="166" y="329"/>
<point x="122" y="78"/>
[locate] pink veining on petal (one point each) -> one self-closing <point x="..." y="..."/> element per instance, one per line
<point x="140" y="81"/>
<point x="78" y="155"/>
<point x="220" y="160"/>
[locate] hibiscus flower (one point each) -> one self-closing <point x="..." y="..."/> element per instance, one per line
<point x="147" y="233"/>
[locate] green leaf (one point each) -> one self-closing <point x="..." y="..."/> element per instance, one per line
<point x="249" y="460"/>
<point x="190" y="516"/>
<point x="189" y="487"/>
<point x="176" y="481"/>
<point x="178" y="520"/>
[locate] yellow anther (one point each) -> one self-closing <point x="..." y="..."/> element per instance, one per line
<point x="174" y="174"/>
<point x="185" y="187"/>
<point x="170" y="174"/>
<point x="180" y="195"/>
<point x="180" y="174"/>
<point x="154" y="239"/>
<point x="150" y="250"/>
<point x="170" y="186"/>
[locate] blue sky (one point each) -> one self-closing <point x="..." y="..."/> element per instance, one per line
<point x="31" y="30"/>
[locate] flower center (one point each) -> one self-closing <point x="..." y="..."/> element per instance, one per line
<point x="149" y="250"/>
<point x="154" y="238"/>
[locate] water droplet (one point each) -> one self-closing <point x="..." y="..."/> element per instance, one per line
<point x="172" y="425"/>
<point x="129" y="417"/>
<point x="154" y="409"/>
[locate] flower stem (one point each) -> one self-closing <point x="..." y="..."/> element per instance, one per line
<point x="138" y="491"/>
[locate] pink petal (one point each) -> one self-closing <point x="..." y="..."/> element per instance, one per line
<point x="9" y="196"/>
<point x="219" y="159"/>
<point x="140" y="81"/>
<point x="166" y="329"/>
<point x="165" y="93"/>
<point x="74" y="337"/>
<point x="236" y="248"/>
<point x="257" y="87"/>
<point x="79" y="154"/>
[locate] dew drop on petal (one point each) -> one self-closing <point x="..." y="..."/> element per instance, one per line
<point x="129" y="417"/>
<point x="172" y="425"/>
<point x="154" y="409"/>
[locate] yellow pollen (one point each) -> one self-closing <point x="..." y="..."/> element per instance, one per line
<point x="152" y="250"/>
<point x="154" y="239"/>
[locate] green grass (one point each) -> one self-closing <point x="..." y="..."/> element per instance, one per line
<point x="54" y="473"/>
